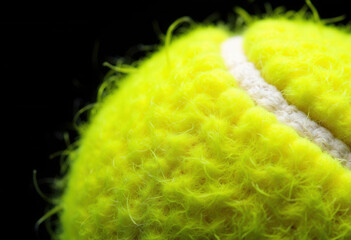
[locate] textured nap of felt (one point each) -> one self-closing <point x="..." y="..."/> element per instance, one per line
<point x="179" y="151"/>
<point x="311" y="64"/>
<point x="270" y="98"/>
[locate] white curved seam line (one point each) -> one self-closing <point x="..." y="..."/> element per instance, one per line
<point x="270" y="98"/>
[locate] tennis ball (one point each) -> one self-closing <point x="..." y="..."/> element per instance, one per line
<point x="220" y="135"/>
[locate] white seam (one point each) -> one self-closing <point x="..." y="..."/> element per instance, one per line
<point x="270" y="98"/>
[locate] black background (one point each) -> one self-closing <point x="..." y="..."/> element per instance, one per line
<point x="51" y="64"/>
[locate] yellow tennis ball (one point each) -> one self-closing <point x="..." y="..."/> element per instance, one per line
<point x="221" y="136"/>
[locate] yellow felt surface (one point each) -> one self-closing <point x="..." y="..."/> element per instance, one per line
<point x="178" y="151"/>
<point x="310" y="64"/>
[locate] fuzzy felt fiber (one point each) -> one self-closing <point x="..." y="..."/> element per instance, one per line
<point x="179" y="151"/>
<point x="310" y="64"/>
